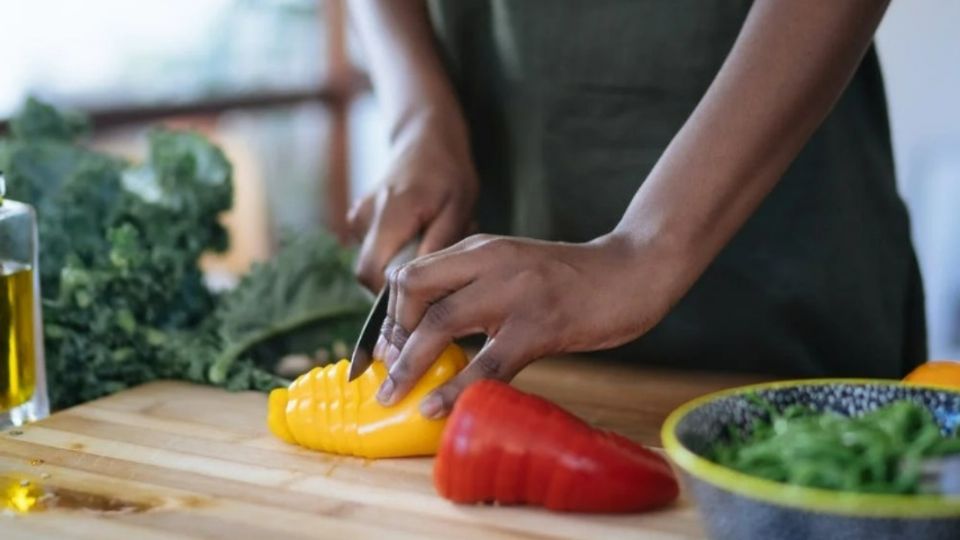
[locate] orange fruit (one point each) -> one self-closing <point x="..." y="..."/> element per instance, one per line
<point x="936" y="373"/>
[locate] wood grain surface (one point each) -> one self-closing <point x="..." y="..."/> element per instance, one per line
<point x="173" y="460"/>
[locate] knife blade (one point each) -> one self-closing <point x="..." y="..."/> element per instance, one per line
<point x="362" y="355"/>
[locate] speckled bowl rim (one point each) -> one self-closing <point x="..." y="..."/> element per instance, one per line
<point x="805" y="498"/>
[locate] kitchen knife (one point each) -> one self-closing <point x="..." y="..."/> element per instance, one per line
<point x="362" y="355"/>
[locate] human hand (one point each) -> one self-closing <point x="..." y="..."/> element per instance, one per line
<point x="530" y="298"/>
<point x="430" y="189"/>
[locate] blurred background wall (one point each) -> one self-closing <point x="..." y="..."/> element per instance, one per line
<point x="272" y="81"/>
<point x="280" y="85"/>
<point x="919" y="47"/>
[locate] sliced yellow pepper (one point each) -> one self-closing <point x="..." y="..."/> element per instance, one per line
<point x="322" y="411"/>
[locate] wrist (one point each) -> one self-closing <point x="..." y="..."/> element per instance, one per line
<point x="655" y="268"/>
<point x="636" y="247"/>
<point x="440" y="125"/>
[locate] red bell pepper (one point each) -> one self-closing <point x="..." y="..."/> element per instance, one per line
<point x="503" y="445"/>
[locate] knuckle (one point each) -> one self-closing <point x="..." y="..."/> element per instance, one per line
<point x="489" y="365"/>
<point x="393" y="278"/>
<point x="399" y="336"/>
<point x="501" y="247"/>
<point x="476" y="240"/>
<point x="386" y="330"/>
<point x="408" y="277"/>
<point x="405" y="195"/>
<point x="439" y="315"/>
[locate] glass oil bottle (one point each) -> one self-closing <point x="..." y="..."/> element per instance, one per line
<point x="23" y="389"/>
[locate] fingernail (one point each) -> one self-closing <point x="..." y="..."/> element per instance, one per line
<point x="378" y="349"/>
<point x="431" y="407"/>
<point x="386" y="392"/>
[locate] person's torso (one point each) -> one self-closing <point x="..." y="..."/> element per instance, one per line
<point x="572" y="102"/>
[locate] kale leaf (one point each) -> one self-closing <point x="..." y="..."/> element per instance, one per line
<point x="124" y="300"/>
<point x="277" y="306"/>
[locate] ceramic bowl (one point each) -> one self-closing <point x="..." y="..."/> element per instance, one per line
<point x="737" y="506"/>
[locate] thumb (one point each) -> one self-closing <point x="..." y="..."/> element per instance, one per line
<point x="498" y="359"/>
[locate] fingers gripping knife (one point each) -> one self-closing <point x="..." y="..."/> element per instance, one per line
<point x="362" y="355"/>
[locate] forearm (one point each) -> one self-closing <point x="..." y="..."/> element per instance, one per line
<point x="786" y="70"/>
<point x="411" y="84"/>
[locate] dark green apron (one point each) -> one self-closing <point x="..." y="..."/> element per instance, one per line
<point x="570" y="104"/>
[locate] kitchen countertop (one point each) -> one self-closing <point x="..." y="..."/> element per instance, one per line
<point x="173" y="460"/>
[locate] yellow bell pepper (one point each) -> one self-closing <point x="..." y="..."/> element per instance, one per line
<point x="322" y="411"/>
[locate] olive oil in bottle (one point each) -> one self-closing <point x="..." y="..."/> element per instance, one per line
<point x="17" y="346"/>
<point x="23" y="381"/>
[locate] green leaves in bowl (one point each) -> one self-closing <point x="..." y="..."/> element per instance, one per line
<point x="878" y="452"/>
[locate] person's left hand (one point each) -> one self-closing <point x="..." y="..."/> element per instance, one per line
<point x="531" y="298"/>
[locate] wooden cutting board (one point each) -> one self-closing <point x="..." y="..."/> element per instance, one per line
<point x="173" y="460"/>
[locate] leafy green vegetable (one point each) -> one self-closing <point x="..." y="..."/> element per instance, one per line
<point x="123" y="298"/>
<point x="879" y="452"/>
<point x="309" y="281"/>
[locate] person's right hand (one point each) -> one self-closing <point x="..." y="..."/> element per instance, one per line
<point x="430" y="190"/>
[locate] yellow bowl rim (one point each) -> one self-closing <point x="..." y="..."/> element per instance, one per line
<point x="805" y="498"/>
